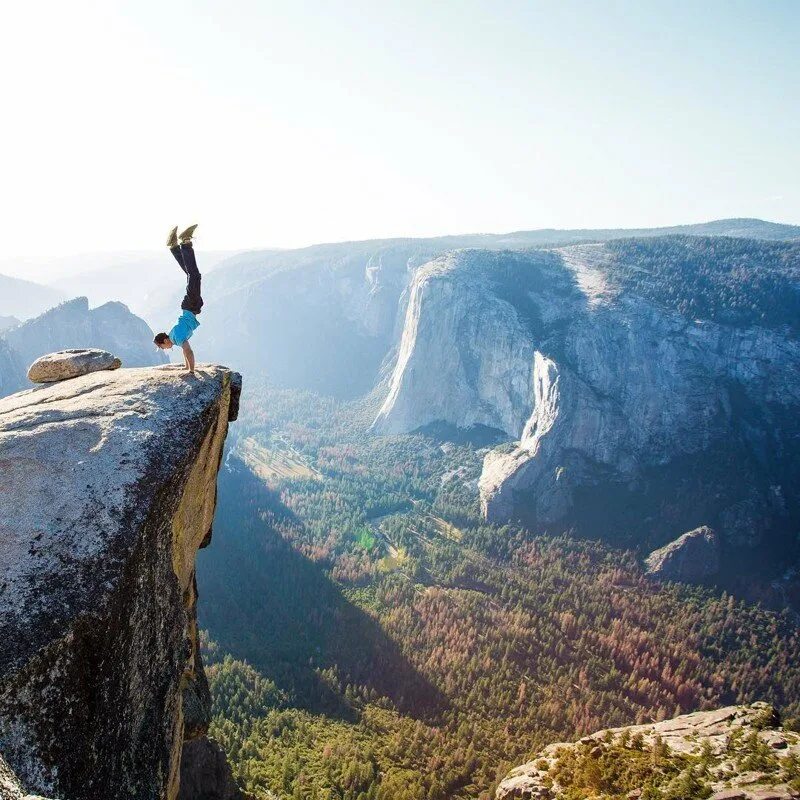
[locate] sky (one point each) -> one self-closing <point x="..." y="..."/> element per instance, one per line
<point x="288" y="123"/>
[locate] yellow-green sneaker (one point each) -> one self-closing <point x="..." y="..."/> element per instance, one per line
<point x="172" y="239"/>
<point x="186" y="236"/>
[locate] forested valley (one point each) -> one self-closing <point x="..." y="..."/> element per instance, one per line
<point x="367" y="636"/>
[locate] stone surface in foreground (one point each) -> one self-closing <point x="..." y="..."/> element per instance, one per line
<point x="107" y="490"/>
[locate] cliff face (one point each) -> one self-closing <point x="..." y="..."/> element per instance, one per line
<point x="325" y="317"/>
<point x="465" y="353"/>
<point x="608" y="396"/>
<point x="108" y="489"/>
<point x="109" y="327"/>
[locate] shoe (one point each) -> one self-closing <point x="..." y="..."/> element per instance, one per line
<point x="172" y="239"/>
<point x="186" y="236"/>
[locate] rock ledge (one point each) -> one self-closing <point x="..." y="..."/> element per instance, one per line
<point x="108" y="489"/>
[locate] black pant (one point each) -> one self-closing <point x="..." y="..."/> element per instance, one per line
<point x="184" y="255"/>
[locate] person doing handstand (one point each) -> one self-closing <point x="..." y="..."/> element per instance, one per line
<point x="181" y="247"/>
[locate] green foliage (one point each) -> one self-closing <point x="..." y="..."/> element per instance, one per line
<point x="768" y="718"/>
<point x="611" y="769"/>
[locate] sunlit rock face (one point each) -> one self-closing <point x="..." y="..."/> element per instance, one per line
<point x="465" y="353"/>
<point x="624" y="415"/>
<point x="108" y="489"/>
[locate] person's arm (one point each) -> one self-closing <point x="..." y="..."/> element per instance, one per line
<point x="188" y="356"/>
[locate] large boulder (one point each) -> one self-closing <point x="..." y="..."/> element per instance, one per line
<point x="65" y="364"/>
<point x="691" y="557"/>
<point x="108" y="489"/>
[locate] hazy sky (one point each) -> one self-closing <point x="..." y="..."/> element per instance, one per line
<point x="291" y="123"/>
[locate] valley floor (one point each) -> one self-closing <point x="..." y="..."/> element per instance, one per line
<point x="368" y="637"/>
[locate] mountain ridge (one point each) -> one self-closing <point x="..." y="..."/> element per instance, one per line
<point x="73" y="323"/>
<point x="326" y="317"/>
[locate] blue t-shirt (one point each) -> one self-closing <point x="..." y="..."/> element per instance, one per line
<point x="184" y="328"/>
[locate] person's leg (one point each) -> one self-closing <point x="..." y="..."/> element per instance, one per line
<point x="176" y="251"/>
<point x="193" y="300"/>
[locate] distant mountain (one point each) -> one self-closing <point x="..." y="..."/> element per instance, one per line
<point x="12" y="376"/>
<point x="73" y="324"/>
<point x="325" y="317"/>
<point x="24" y="299"/>
<point x="8" y="322"/>
<point x="650" y="386"/>
<point x="141" y="280"/>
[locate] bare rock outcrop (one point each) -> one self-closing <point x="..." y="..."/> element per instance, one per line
<point x="108" y="489"/>
<point x="65" y="364"/>
<point x="737" y="753"/>
<point x="694" y="556"/>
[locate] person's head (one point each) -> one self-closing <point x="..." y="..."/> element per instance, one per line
<point x="163" y="341"/>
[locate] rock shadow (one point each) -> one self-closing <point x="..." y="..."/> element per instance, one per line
<point x="264" y="602"/>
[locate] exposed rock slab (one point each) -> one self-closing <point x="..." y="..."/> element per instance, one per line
<point x="108" y="488"/>
<point x="703" y="732"/>
<point x="65" y="364"/>
<point x="694" y="556"/>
